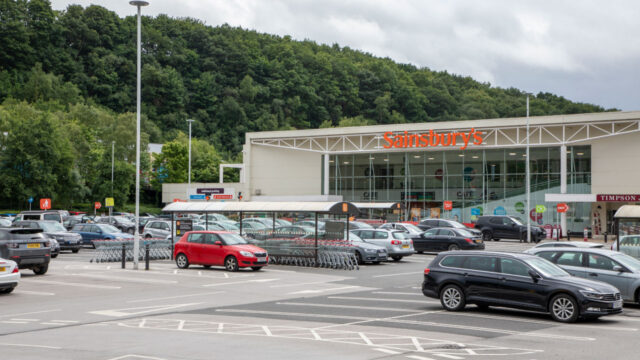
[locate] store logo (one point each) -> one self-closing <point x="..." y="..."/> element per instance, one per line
<point x="407" y="140"/>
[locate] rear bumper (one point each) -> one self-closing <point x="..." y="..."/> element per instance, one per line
<point x="27" y="262"/>
<point x="428" y="290"/>
<point x="77" y="246"/>
<point x="9" y="281"/>
<point x="5" y="286"/>
<point x="400" y="252"/>
<point x="473" y="246"/>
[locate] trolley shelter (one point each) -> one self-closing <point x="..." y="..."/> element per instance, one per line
<point x="627" y="223"/>
<point x="312" y="246"/>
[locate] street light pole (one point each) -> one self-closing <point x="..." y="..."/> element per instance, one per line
<point x="189" y="186"/>
<point x="136" y="239"/>
<point x="528" y="180"/>
<point x="113" y="143"/>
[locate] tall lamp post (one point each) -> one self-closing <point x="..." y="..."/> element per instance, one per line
<point x="113" y="144"/>
<point x="136" y="239"/>
<point x="528" y="175"/>
<point x="189" y="185"/>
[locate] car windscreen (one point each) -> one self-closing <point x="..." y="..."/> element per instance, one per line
<point x="626" y="260"/>
<point x="51" y="226"/>
<point x="108" y="229"/>
<point x="233" y="239"/>
<point x="546" y="267"/>
<point x="412" y="228"/>
<point x="124" y="220"/>
<point x="457" y="225"/>
<point x="516" y="220"/>
<point x="400" y="235"/>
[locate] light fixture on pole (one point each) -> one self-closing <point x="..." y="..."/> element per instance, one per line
<point x="136" y="236"/>
<point x="189" y="176"/>
<point x="528" y="175"/>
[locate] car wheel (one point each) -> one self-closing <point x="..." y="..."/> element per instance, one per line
<point x="420" y="252"/>
<point x="53" y="256"/>
<point x="130" y="231"/>
<point x="396" y="258"/>
<point x="206" y="266"/>
<point x="452" y="298"/>
<point x="75" y="251"/>
<point x="359" y="258"/>
<point x="6" y="291"/>
<point x="231" y="263"/>
<point x="564" y="308"/>
<point x="41" y="270"/>
<point x="182" y="261"/>
<point x="147" y="236"/>
<point x="486" y="236"/>
<point x="256" y="268"/>
<point x="453" y="247"/>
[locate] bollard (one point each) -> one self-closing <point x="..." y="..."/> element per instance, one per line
<point x="568" y="236"/>
<point x="146" y="256"/>
<point x="124" y="254"/>
<point x="605" y="237"/>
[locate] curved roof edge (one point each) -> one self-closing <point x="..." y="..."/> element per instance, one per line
<point x="336" y="208"/>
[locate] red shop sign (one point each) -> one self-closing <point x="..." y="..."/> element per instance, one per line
<point x="617" y="197"/>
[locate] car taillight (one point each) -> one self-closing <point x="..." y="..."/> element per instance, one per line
<point x="395" y="242"/>
<point x="15" y="270"/>
<point x="426" y="271"/>
<point x="468" y="240"/>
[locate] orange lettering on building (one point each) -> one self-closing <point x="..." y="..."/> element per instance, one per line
<point x="432" y="139"/>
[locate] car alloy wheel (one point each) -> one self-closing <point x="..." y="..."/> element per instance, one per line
<point x="454" y="247"/>
<point x="564" y="309"/>
<point x="486" y="236"/>
<point x="182" y="261"/>
<point x="452" y="298"/>
<point x="231" y="263"/>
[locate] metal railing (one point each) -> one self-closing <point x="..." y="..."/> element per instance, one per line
<point x="117" y="250"/>
<point x="332" y="254"/>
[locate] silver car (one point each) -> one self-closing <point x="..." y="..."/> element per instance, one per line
<point x="555" y="244"/>
<point x="629" y="244"/>
<point x="157" y="229"/>
<point x="612" y="267"/>
<point x="397" y="243"/>
<point x="410" y="229"/>
<point x="366" y="252"/>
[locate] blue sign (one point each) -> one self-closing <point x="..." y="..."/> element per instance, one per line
<point x="198" y="197"/>
<point x="500" y="211"/>
<point x="30" y="200"/>
<point x="476" y="211"/>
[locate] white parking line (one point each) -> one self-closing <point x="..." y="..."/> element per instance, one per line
<point x="396" y="274"/>
<point x="34" y="346"/>
<point x="396" y="293"/>
<point x="379" y="299"/>
<point x="240" y="282"/>
<point x="416" y="357"/>
<point x="387" y="351"/>
<point x="300" y="284"/>
<point x="348" y="307"/>
<point x="35" y="293"/>
<point x="128" y="279"/>
<point x="289" y="314"/>
<point x="92" y="286"/>
<point x="449" y="356"/>
<point x="175" y="297"/>
<point x="317" y="291"/>
<point x="30" y="313"/>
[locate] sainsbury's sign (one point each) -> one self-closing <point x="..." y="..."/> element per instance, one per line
<point x="432" y="139"/>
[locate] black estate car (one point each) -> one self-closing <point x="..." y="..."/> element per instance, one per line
<point x="498" y="227"/>
<point x="438" y="239"/>
<point x="518" y="281"/>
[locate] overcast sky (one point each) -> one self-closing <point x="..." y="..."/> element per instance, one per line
<point x="587" y="50"/>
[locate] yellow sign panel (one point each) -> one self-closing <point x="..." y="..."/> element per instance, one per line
<point x="108" y="202"/>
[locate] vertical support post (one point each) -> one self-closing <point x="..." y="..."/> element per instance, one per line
<point x="528" y="182"/>
<point x="563" y="186"/>
<point x="173" y="232"/>
<point x="240" y="223"/>
<point x="617" y="223"/>
<point x="124" y="255"/>
<point x="206" y="220"/>
<point x="136" y="235"/>
<point x="325" y="183"/>
<point x="146" y="256"/>
<point x="315" y="235"/>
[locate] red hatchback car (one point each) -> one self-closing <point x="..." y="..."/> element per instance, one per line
<point x="218" y="248"/>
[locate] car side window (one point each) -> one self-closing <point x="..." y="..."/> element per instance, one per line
<point x="549" y="255"/>
<point x="196" y="238"/>
<point x="597" y="261"/>
<point x="482" y="263"/>
<point x="453" y="261"/>
<point x="506" y="221"/>
<point x="380" y="235"/>
<point x="513" y="267"/>
<point x="432" y="232"/>
<point x="365" y="234"/>
<point x="445" y="232"/>
<point x="570" y="259"/>
<point x="210" y="239"/>
<point x="497" y="221"/>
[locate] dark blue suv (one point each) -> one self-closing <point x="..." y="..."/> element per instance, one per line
<point x="518" y="281"/>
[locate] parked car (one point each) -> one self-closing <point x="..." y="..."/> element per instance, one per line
<point x="514" y="280"/>
<point x="71" y="221"/>
<point x="397" y="243"/>
<point x="267" y="222"/>
<point x="142" y="222"/>
<point x="426" y="224"/>
<point x="224" y="225"/>
<point x="157" y="229"/>
<point x="122" y="223"/>
<point x="218" y="248"/>
<point x="410" y="229"/>
<point x="629" y="244"/>
<point x="366" y="252"/>
<point x="93" y="232"/>
<point x="62" y="239"/>
<point x="311" y="223"/>
<point x="612" y="267"/>
<point x="9" y="276"/>
<point x="552" y="244"/>
<point x="283" y="222"/>
<point x="214" y="217"/>
<point x="253" y="228"/>
<point x="359" y="225"/>
<point x="439" y="239"/>
<point x="55" y="215"/>
<point x="5" y="222"/>
<point x="496" y="227"/>
<point x="29" y="248"/>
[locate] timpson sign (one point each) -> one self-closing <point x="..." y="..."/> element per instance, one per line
<point x="432" y="139"/>
<point x="618" y="197"/>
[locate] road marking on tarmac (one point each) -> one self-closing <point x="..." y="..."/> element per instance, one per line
<point x="92" y="286"/>
<point x="139" y="310"/>
<point x="30" y="313"/>
<point x="35" y="293"/>
<point x="125" y="278"/>
<point x="33" y="346"/>
<point x="349" y="307"/>
<point x="176" y="297"/>
<point x="322" y="290"/>
<point x="240" y="282"/>
<point x="396" y="274"/>
<point x="377" y="299"/>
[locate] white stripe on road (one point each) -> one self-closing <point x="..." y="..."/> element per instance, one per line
<point x="387" y="351"/>
<point x="35" y="293"/>
<point x="449" y="356"/>
<point x="396" y="293"/>
<point x="301" y="284"/>
<point x="416" y="357"/>
<point x="379" y="299"/>
<point x="13" y="322"/>
<point x="129" y="279"/>
<point x="396" y="274"/>
<point x="29" y="313"/>
<point x="240" y="282"/>
<point x="348" y="307"/>
<point x="289" y="314"/>
<point x="175" y="297"/>
<point x="322" y="290"/>
<point x="34" y="346"/>
<point x="92" y="286"/>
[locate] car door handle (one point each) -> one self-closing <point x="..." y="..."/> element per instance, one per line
<point x="466" y="274"/>
<point x="503" y="278"/>
<point x="593" y="274"/>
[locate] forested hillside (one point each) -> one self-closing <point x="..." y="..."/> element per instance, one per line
<point x="66" y="66"/>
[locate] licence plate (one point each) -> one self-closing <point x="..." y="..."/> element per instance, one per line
<point x="33" y="246"/>
<point x="617" y="304"/>
<point x="262" y="260"/>
<point x="2" y="269"/>
<point x="405" y="246"/>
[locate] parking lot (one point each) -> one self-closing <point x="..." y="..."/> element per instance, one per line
<point x="83" y="310"/>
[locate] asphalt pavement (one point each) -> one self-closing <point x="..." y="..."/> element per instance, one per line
<point x="84" y="310"/>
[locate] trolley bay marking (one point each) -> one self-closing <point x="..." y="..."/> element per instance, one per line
<point x="140" y="310"/>
<point x="65" y="283"/>
<point x="240" y="282"/>
<point x="175" y="297"/>
<point x="395" y="344"/>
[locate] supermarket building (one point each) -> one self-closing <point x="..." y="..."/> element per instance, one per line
<point x="588" y="161"/>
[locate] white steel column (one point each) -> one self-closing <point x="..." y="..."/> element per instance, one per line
<point x="528" y="182"/>
<point x="325" y="180"/>
<point x="563" y="185"/>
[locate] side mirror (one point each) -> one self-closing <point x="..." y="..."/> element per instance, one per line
<point x="218" y="243"/>
<point x="534" y="275"/>
<point x="618" y="268"/>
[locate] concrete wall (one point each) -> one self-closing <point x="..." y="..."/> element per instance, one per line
<point x="276" y="172"/>
<point x="615" y="165"/>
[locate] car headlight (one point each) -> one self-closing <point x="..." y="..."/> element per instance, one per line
<point x="246" y="253"/>
<point x="370" y="250"/>
<point x="592" y="295"/>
